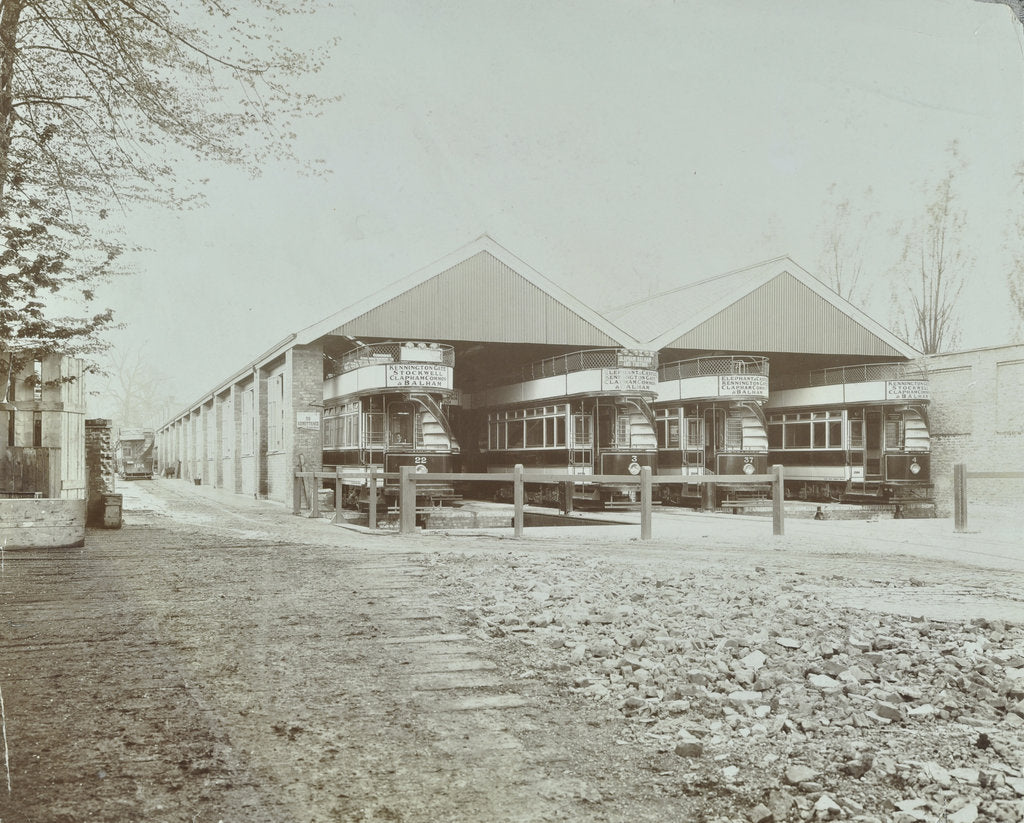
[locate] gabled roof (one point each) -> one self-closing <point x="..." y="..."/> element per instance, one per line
<point x="482" y="292"/>
<point x="774" y="306"/>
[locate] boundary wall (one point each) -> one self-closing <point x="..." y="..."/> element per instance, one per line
<point x="977" y="418"/>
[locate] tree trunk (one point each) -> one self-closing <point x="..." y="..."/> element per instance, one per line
<point x="10" y="16"/>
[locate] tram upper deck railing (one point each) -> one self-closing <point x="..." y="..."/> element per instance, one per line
<point x="587" y="359"/>
<point x="865" y="373"/>
<point x="377" y="354"/>
<point x="713" y="366"/>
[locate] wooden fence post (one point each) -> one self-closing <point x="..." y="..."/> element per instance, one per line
<point x="778" y="496"/>
<point x="960" y="497"/>
<point x="407" y="500"/>
<point x="314" y="502"/>
<point x="296" y="494"/>
<point x="371" y="502"/>
<point x="646" y="492"/>
<point x="517" y="498"/>
<point x="337" y="495"/>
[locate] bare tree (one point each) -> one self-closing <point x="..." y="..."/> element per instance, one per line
<point x="932" y="270"/>
<point x="136" y="390"/>
<point x="846" y="227"/>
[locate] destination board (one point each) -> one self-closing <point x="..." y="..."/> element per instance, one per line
<point x="629" y="380"/>
<point x="424" y="375"/>
<point x="906" y="390"/>
<point x="747" y="385"/>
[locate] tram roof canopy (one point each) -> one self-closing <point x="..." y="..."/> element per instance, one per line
<point x="774" y="306"/>
<point x="482" y="293"/>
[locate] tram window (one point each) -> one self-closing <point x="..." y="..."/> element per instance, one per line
<point x="893" y="433"/>
<point x="668" y="433"/>
<point x="622" y="430"/>
<point x="582" y="436"/>
<point x="856" y="434"/>
<point x="695" y="432"/>
<point x="835" y="434"/>
<point x="515" y="434"/>
<point x="374" y="422"/>
<point x="775" y="436"/>
<point x="733" y="433"/>
<point x="797" y="435"/>
<point x="819" y="435"/>
<point x="535" y="433"/>
<point x="554" y="432"/>
<point x="400" y="423"/>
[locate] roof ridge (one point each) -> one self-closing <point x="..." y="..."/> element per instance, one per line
<point x="702" y="282"/>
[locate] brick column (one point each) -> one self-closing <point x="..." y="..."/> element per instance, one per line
<point x="99" y="467"/>
<point x="304" y="396"/>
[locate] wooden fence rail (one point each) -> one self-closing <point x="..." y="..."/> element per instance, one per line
<point x="409" y="477"/>
<point x="960" y="478"/>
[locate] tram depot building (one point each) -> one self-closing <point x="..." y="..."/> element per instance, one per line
<point x="478" y="362"/>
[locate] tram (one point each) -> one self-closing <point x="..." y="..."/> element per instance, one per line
<point x="135" y="454"/>
<point x="583" y="413"/>
<point x="710" y="420"/>
<point x="854" y="433"/>
<point x="386" y="408"/>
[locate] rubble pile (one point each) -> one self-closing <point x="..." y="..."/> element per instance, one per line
<point x="765" y="697"/>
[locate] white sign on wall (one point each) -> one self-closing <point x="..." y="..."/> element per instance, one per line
<point x="629" y="380"/>
<point x="906" y="390"/>
<point x="749" y="385"/>
<point x="307" y="420"/>
<point x="424" y="375"/>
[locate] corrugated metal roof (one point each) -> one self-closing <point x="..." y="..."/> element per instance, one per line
<point x="775" y="306"/>
<point x="483" y="293"/>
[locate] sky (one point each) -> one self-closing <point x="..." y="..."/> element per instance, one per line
<point x="620" y="147"/>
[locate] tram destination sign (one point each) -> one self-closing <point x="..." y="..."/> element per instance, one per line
<point x="423" y="375"/>
<point x="629" y="380"/>
<point x="906" y="390"/>
<point x="747" y="385"/>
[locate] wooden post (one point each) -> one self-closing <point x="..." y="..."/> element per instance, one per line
<point x="407" y="500"/>
<point x="707" y="497"/>
<point x="517" y="498"/>
<point x="314" y="502"/>
<point x="569" y="489"/>
<point x="646" y="492"/>
<point x="371" y="502"/>
<point x="960" y="497"/>
<point x="337" y="495"/>
<point x="778" y="496"/>
<point x="296" y="494"/>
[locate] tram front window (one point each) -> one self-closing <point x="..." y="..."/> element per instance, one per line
<point x="400" y="424"/>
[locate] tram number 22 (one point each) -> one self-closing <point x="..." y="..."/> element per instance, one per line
<point x="420" y="461"/>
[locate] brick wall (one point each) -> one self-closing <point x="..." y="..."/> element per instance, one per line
<point x="977" y="418"/>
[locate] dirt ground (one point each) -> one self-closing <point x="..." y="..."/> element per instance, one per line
<point x="219" y="659"/>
